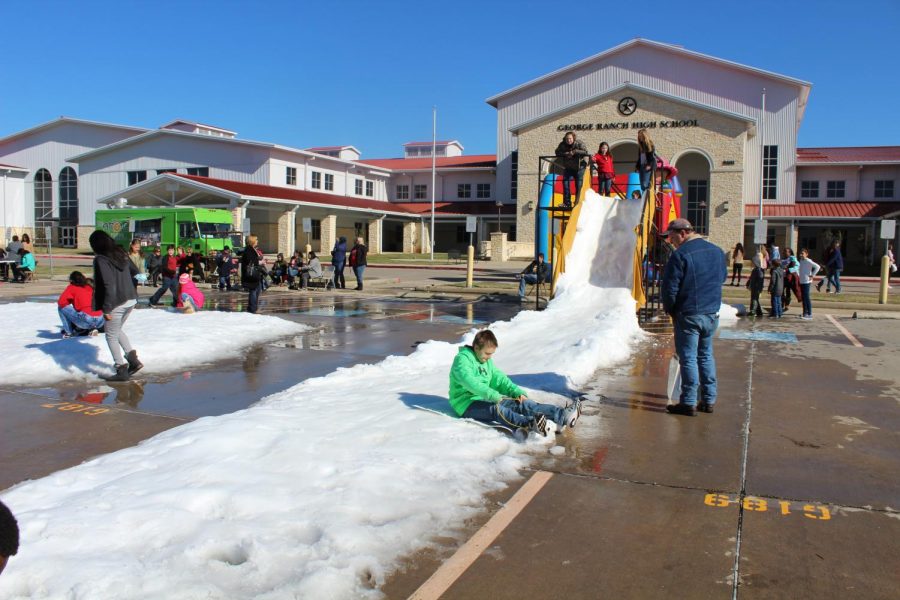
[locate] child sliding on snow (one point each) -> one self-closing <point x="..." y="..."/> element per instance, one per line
<point x="480" y="391"/>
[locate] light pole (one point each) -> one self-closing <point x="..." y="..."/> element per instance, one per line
<point x="499" y="206"/>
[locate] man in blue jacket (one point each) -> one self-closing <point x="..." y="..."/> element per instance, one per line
<point x="692" y="295"/>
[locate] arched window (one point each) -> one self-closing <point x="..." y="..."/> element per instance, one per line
<point x="43" y="202"/>
<point x="68" y="196"/>
<point x="68" y="207"/>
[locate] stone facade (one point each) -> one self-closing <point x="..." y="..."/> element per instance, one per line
<point x="374" y="233"/>
<point x="287" y="223"/>
<point x="329" y="235"/>
<point x="720" y="138"/>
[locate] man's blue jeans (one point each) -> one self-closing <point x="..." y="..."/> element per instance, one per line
<point x="513" y="413"/>
<point x="834" y="279"/>
<point x="528" y="278"/>
<point x="225" y="282"/>
<point x="72" y="318"/>
<point x="693" y="344"/>
<point x="568" y="177"/>
<point x="776" y="305"/>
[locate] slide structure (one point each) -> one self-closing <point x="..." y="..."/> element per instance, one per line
<point x="556" y="228"/>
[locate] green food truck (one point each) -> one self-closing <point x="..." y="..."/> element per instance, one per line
<point x="195" y="229"/>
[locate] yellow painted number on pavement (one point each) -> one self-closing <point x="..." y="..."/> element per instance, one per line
<point x="79" y="408"/>
<point x="716" y="500"/>
<point x="816" y="512"/>
<point x="824" y="513"/>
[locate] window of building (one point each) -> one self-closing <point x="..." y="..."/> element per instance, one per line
<point x="358" y="229"/>
<point x="316" y="232"/>
<point x="770" y="173"/>
<point x="464" y="190"/>
<point x="514" y="175"/>
<point x="809" y="189"/>
<point x="43" y="203"/>
<point x="358" y="187"/>
<point x="136" y="177"/>
<point x="698" y="205"/>
<point x="835" y="189"/>
<point x="884" y="188"/>
<point x="461" y="235"/>
<point x="420" y="191"/>
<point x="315" y="180"/>
<point x="161" y="171"/>
<point x="329" y="182"/>
<point x="203" y="171"/>
<point x="68" y="197"/>
<point x="370" y="188"/>
<point x="402" y="192"/>
<point x="290" y="175"/>
<point x="483" y="190"/>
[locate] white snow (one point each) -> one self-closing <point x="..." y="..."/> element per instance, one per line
<point x="318" y="491"/>
<point x="34" y="354"/>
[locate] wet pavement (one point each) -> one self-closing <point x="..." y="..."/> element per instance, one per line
<point x="789" y="490"/>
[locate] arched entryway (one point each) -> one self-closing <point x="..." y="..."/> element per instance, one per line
<point x="693" y="174"/>
<point x="625" y="154"/>
<point x="43" y="204"/>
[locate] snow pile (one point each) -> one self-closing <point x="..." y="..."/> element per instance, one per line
<point x="34" y="354"/>
<point x="317" y="491"/>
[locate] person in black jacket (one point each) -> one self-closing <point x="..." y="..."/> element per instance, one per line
<point x="251" y="273"/>
<point x="535" y="272"/>
<point x="115" y="293"/>
<point x="572" y="153"/>
<point x="358" y="261"/>
<point x="338" y="261"/>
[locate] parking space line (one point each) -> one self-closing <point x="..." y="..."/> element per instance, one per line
<point x="441" y="580"/>
<point x="843" y="330"/>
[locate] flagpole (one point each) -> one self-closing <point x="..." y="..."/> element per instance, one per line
<point x="762" y="151"/>
<point x="433" y="172"/>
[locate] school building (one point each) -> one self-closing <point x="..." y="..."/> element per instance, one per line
<point x="730" y="129"/>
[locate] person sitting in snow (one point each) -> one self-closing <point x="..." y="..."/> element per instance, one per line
<point x="74" y="306"/>
<point x="190" y="298"/>
<point x="481" y="391"/>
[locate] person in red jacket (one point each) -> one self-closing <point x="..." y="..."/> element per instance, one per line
<point x="169" y="270"/>
<point x="75" y="311"/>
<point x="606" y="172"/>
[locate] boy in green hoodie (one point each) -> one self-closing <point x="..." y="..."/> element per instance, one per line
<point x="481" y="391"/>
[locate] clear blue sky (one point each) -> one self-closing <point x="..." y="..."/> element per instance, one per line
<point x="311" y="73"/>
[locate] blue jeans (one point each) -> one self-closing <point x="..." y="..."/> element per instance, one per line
<point x="526" y="279"/>
<point x="186" y="299"/>
<point x="168" y="283"/>
<point x="339" y="281"/>
<point x="645" y="179"/>
<point x="513" y="413"/>
<point x="693" y="344"/>
<point x="358" y="271"/>
<point x="806" y="299"/>
<point x="605" y="186"/>
<point x="72" y="318"/>
<point x="776" y="305"/>
<point x="225" y="282"/>
<point x="253" y="298"/>
<point x="834" y="279"/>
<point x="568" y="177"/>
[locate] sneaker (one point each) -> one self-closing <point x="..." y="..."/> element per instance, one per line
<point x="573" y="413"/>
<point x="682" y="409"/>
<point x="706" y="408"/>
<point x="93" y="333"/>
<point x="539" y="425"/>
<point x="66" y="336"/>
<point x="806" y="317"/>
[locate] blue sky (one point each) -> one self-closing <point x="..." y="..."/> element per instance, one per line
<point x="368" y="73"/>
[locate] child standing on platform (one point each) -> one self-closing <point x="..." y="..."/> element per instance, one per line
<point x="605" y="170"/>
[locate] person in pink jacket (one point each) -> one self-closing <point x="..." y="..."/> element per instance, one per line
<point x="190" y="298"/>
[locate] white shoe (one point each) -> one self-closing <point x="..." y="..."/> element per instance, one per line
<point x="573" y="413"/>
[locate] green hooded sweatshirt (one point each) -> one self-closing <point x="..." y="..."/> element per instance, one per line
<point x="471" y="380"/>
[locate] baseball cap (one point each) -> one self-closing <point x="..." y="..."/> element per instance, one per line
<point x="678" y="225"/>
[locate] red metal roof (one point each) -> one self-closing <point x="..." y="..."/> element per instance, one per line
<point x="457" y="208"/>
<point x="280" y="193"/>
<point x="824" y="210"/>
<point x="849" y="154"/>
<point x="445" y="162"/>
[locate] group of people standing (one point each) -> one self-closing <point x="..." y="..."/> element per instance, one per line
<point x="573" y="157"/>
<point x="788" y="275"/>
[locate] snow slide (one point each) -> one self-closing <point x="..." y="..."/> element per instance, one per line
<point x="318" y="491"/>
